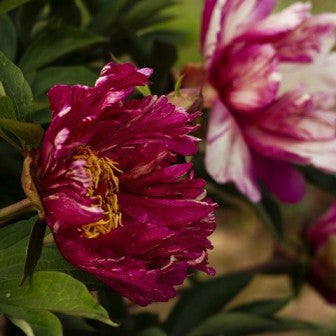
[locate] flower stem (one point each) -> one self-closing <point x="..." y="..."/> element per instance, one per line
<point x="15" y="210"/>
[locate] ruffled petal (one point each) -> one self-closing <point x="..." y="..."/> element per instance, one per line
<point x="145" y="122"/>
<point x="318" y="78"/>
<point x="251" y="79"/>
<point x="315" y="36"/>
<point x="276" y="25"/>
<point x="296" y="115"/>
<point x="228" y="158"/>
<point x="321" y="154"/>
<point x="238" y="16"/>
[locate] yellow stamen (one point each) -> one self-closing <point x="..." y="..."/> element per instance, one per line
<point x="104" y="190"/>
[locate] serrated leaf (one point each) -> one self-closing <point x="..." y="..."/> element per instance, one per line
<point x="262" y="307"/>
<point x="16" y="88"/>
<point x="70" y="75"/>
<point x="8" y="41"/>
<point x="44" y="50"/>
<point x="29" y="134"/>
<point x="7" y="5"/>
<point x="240" y="324"/>
<point x="203" y="300"/>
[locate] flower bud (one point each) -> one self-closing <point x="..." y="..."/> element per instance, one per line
<point x="190" y="99"/>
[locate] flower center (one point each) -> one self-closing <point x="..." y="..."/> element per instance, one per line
<point x="104" y="189"/>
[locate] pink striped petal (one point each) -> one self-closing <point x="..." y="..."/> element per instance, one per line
<point x="314" y="37"/>
<point x="228" y="158"/>
<point x="251" y="78"/>
<point x="276" y="25"/>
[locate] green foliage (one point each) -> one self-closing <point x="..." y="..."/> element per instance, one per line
<point x="262" y="307"/>
<point x="8" y="40"/>
<point x="31" y="305"/>
<point x="49" y="42"/>
<point x="213" y="295"/>
<point x="34" y="248"/>
<point x="71" y="75"/>
<point x="242" y="324"/>
<point x="269" y="212"/>
<point x="29" y="134"/>
<point x="7" y="5"/>
<point x="44" y="50"/>
<point x="16" y="88"/>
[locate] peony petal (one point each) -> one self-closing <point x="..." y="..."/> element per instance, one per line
<point x="284" y="181"/>
<point x="251" y="79"/>
<point x="276" y="25"/>
<point x="149" y="121"/>
<point x="228" y="158"/>
<point x="238" y="16"/>
<point x="316" y="77"/>
<point x="208" y="9"/>
<point x="321" y="154"/>
<point x="316" y="36"/>
<point x="211" y="27"/>
<point x="298" y="116"/>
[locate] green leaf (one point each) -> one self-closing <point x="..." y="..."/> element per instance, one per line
<point x="28" y="16"/>
<point x="8" y="41"/>
<point x="29" y="134"/>
<point x="12" y="234"/>
<point x="7" y="5"/>
<point x="70" y="75"/>
<point x="319" y="179"/>
<point x="34" y="248"/>
<point x="154" y="331"/>
<point x="44" y="49"/>
<point x="106" y="15"/>
<point x="23" y="325"/>
<point x="270" y="213"/>
<point x="65" y="11"/>
<point x="262" y="307"/>
<point x="203" y="300"/>
<point x="240" y="324"/>
<point x="74" y="325"/>
<point x="55" y="292"/>
<point x="143" y="11"/>
<point x="13" y="242"/>
<point x="16" y="88"/>
<point x="35" y="323"/>
<point x="144" y="90"/>
<point x="6" y="107"/>
<point x="177" y="86"/>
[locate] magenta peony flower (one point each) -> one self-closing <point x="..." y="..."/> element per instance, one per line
<point x="119" y="204"/>
<point x="322" y="268"/>
<point x="276" y="82"/>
